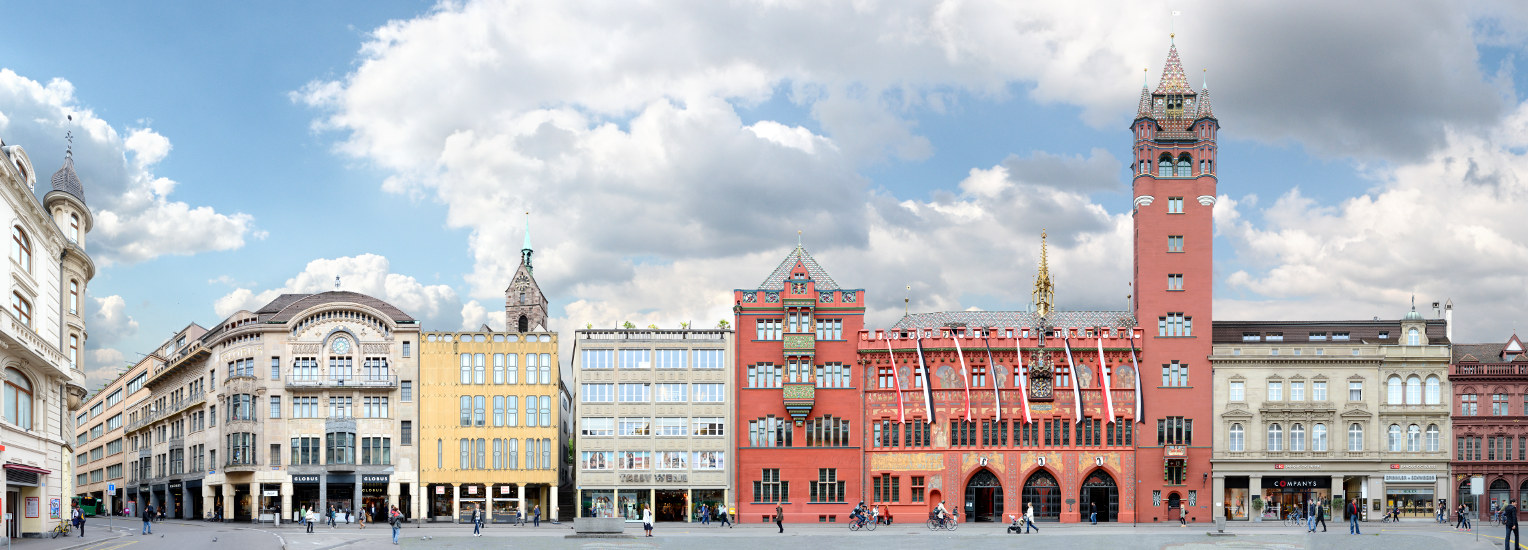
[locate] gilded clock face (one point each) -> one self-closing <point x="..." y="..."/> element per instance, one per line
<point x="341" y="345"/>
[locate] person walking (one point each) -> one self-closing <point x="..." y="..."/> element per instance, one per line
<point x="1320" y="515"/>
<point x="1464" y="516"/>
<point x="1029" y="518"/>
<point x="1310" y="515"/>
<point x="1508" y="519"/>
<point x="360" y="517"/>
<point x="536" y="516"/>
<point x="726" y="519"/>
<point x="780" y="518"/>
<point x="77" y="517"/>
<point x="647" y="519"/>
<point x="702" y="513"/>
<point x="1093" y="512"/>
<point x="395" y="520"/>
<point x="477" y="523"/>
<point x="148" y="516"/>
<point x="310" y="518"/>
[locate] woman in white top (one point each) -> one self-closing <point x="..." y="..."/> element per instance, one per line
<point x="647" y="519"/>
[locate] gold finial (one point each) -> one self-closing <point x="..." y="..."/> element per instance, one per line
<point x="907" y="299"/>
<point x="1045" y="293"/>
<point x="798" y="238"/>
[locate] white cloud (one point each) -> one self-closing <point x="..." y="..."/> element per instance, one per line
<point x="135" y="217"/>
<point x="370" y="274"/>
<point x="109" y="322"/>
<point x="101" y="366"/>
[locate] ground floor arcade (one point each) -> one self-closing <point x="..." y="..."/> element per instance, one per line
<point x="988" y="486"/>
<point x="499" y="502"/>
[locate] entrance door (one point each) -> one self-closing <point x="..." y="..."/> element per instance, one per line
<point x="1042" y="491"/>
<point x="1174" y="507"/>
<point x="11" y="498"/>
<point x="1099" y="490"/>
<point x="670" y="506"/>
<point x="984" y="497"/>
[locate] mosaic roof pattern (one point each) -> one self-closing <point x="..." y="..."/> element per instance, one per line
<point x="776" y="279"/>
<point x="1015" y="319"/>
<point x="1173" y="79"/>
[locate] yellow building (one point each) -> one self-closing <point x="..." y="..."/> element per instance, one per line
<point x="493" y="407"/>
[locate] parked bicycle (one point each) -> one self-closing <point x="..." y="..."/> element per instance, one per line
<point x="63" y="528"/>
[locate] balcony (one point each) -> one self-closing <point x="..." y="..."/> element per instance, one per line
<point x="652" y="334"/>
<point x="1488" y="369"/>
<point x="799" y="399"/>
<point x="36" y="348"/>
<point x="800" y="344"/>
<point x="382" y="382"/>
<point x="241" y="465"/>
<point x="172" y="408"/>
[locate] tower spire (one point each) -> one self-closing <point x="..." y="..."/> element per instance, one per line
<point x="525" y="250"/>
<point x="1045" y="293"/>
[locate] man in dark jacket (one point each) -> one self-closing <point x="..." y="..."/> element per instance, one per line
<point x="1353" y="509"/>
<point x="1320" y="516"/>
<point x="1509" y="519"/>
<point x="148" y="515"/>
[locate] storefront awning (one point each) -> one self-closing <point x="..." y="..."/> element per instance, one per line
<point x="25" y="468"/>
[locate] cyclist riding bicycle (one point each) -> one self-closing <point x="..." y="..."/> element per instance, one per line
<point x="859" y="513"/>
<point x="940" y="513"/>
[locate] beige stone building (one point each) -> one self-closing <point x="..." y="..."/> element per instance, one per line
<point x="653" y="414"/>
<point x="104" y="451"/>
<point x="167" y="431"/>
<point x="307" y="401"/>
<point x="1336" y="411"/>
<point x="42" y="336"/>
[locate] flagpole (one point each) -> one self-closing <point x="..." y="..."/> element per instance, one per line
<point x="928" y="397"/>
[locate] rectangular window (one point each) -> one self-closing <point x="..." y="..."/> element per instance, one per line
<point x="636" y="393"/>
<point x="636" y="359"/>
<point x="597" y="393"/>
<point x="1499" y="405"/>
<point x="1174" y="205"/>
<point x="597" y="427"/>
<point x="827" y="487"/>
<point x="917" y="488"/>
<point x="275" y="368"/>
<point x="1175" y="324"/>
<point x="885" y="488"/>
<point x="1468" y="404"/>
<point x="769" y="329"/>
<point x="1318" y="390"/>
<point x="1175" y="430"/>
<point x="1175" y="281"/>
<point x="275" y="406"/>
<point x="765" y="375"/>
<point x="710" y="460"/>
<point x="407" y="348"/>
<point x="709" y="426"/>
<point x="632" y="460"/>
<point x="1175" y="375"/>
<point x="593" y="460"/>
<point x="1275" y="391"/>
<point x="636" y="426"/>
<point x="673" y="359"/>
<point x="710" y="359"/>
<point x="1175" y="243"/>
<point x="668" y="393"/>
<point x="1238" y="391"/>
<point x="769" y="488"/>
<point x="1297" y="391"/>
<point x="594" y="359"/>
<point x="1340" y="337"/>
<point x="671" y="427"/>
<point x="708" y="393"/>
<point x="833" y="375"/>
<point x="1355" y="390"/>
<point x="830" y="329"/>
<point x="406" y="432"/>
<point x="769" y="432"/>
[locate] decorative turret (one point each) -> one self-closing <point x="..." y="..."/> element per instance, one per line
<point x="525" y="250"/>
<point x="1204" y="101"/>
<point x="1044" y="295"/>
<point x="525" y="307"/>
<point x="1145" y="108"/>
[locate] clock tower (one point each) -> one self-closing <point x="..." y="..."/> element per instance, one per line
<point x="524" y="304"/>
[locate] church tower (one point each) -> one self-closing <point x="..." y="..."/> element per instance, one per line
<point x="524" y="304"/>
<point x="1173" y="160"/>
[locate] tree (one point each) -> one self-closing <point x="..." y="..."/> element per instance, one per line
<point x="723" y="324"/>
<point x="628" y="325"/>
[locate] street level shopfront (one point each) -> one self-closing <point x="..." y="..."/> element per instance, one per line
<point x="670" y="502"/>
<point x="1271" y="496"/>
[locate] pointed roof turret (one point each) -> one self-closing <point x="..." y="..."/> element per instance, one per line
<point x="1145" y="108"/>
<point x="799" y="255"/>
<point x="1044" y="295"/>
<point x="65" y="179"/>
<point x="1173" y="79"/>
<point x="525" y="250"/>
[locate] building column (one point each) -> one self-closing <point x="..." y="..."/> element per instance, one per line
<point x="355" y="501"/>
<point x="392" y="499"/>
<point x="525" y="511"/>
<point x="551" y="511"/>
<point x="1217" y="495"/>
<point x="208" y="502"/>
<point x="227" y="501"/>
<point x="257" y="501"/>
<point x="1376" y="492"/>
<point x="1255" y="488"/>
<point x="286" y="498"/>
<point x="323" y="495"/>
<point x="1337" y="514"/>
<point x="456" y="502"/>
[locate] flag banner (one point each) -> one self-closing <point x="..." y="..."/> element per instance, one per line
<point x="1103" y="377"/>
<point x="964" y="373"/>
<point x="997" y="374"/>
<point x="1140" y="413"/>
<point x="1018" y="352"/>
<point x="896" y="376"/>
<point x="928" y="382"/>
<point x="1071" y="369"/>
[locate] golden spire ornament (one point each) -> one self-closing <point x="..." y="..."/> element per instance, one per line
<point x="1045" y="293"/>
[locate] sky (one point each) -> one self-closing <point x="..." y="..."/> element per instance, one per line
<point x="669" y="152"/>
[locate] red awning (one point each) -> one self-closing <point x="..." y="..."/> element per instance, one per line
<point x="25" y="468"/>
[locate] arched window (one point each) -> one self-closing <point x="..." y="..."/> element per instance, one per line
<point x="18" y="399"/>
<point x="1413" y="338"/>
<point x="21" y="248"/>
<point x="1318" y="438"/>
<point x="1238" y="438"/>
<point x="1413" y="439"/>
<point x="74" y="351"/>
<point x="1297" y="437"/>
<point x="1355" y="437"/>
<point x="1165" y="167"/>
<point x="1393" y="387"/>
<point x="1275" y="437"/>
<point x="1395" y="438"/>
<point x="1432" y="438"/>
<point x="74" y="297"/>
<point x="1185" y="166"/>
<point x="22" y="308"/>
<point x="1413" y="390"/>
<point x="1434" y="390"/>
<point x="74" y="227"/>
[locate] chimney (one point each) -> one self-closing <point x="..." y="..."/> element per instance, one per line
<point x="1448" y="319"/>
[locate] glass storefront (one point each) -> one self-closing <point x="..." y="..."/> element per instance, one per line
<point x="1414" y="502"/>
<point x="630" y="502"/>
<point x="1236" y="503"/>
<point x="440" y="502"/>
<point x="1282" y="496"/>
<point x="714" y="499"/>
<point x="672" y="505"/>
<point x="472" y="499"/>
<point x="506" y="502"/>
<point x="596" y="503"/>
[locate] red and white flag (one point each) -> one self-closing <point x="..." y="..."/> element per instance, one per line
<point x="997" y="374"/>
<point x="1071" y="369"/>
<point x="1103" y="376"/>
<point x="964" y="373"/>
<point x="1018" y="352"/>
<point x="1140" y="415"/>
<point x="901" y="413"/>
<point x="928" y="397"/>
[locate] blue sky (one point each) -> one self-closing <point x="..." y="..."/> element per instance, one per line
<point x="669" y="152"/>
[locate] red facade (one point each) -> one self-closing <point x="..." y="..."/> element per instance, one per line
<point x="1174" y="192"/>
<point x="1490" y="385"/>
<point x="976" y="450"/>
<point x="798" y="400"/>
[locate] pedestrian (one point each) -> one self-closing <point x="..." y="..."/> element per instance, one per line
<point x="704" y="519"/>
<point x="311" y="517"/>
<point x="148" y="516"/>
<point x="1508" y="519"/>
<point x="1321" y="516"/>
<point x="1353" y="511"/>
<point x="477" y="523"/>
<point x="536" y="516"/>
<point x="395" y="519"/>
<point x="1029" y="519"/>
<point x="78" y="518"/>
<point x="1464" y="516"/>
<point x="1093" y="512"/>
<point x="1310" y="515"/>
<point x="360" y="517"/>
<point x="647" y="519"/>
<point x="780" y="518"/>
<point x="726" y="519"/>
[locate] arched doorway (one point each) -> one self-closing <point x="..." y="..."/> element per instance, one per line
<point x="1099" y="490"/>
<point x="934" y="498"/>
<point x="1499" y="494"/>
<point x="1174" y="507"/>
<point x="984" y="497"/>
<point x="1042" y="491"/>
<point x="525" y="325"/>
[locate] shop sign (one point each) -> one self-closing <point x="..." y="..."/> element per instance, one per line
<point x="1177" y="450"/>
<point x="1293" y="482"/>
<point x="440" y="489"/>
<point x="305" y="479"/>
<point x="504" y="489"/>
<point x="270" y="493"/>
<point x="655" y="478"/>
<point x="471" y="489"/>
<point x="1297" y="466"/>
<point x="174" y="484"/>
<point x="1411" y="466"/>
<point x="1411" y="478"/>
<point x="374" y="478"/>
<point x="1408" y="491"/>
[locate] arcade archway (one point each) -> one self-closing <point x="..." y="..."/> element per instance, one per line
<point x="1099" y="490"/>
<point x="984" y="497"/>
<point x="1042" y="491"/>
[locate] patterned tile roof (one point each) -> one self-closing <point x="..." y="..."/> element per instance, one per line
<point x="1482" y="353"/>
<point x="1145" y="109"/>
<point x="1015" y="319"/>
<point x="1204" y="104"/>
<point x="776" y="279"/>
<point x="67" y="181"/>
<point x="287" y="306"/>
<point x="1173" y="79"/>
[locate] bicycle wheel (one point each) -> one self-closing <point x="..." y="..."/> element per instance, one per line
<point x="933" y="524"/>
<point x="870" y="525"/>
<point x="854" y="525"/>
<point x="952" y="524"/>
